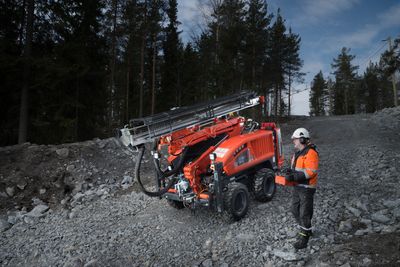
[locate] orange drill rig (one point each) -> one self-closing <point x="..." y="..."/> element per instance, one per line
<point x="214" y="158"/>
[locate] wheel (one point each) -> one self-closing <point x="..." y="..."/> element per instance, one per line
<point x="264" y="185"/>
<point x="176" y="204"/>
<point x="236" y="200"/>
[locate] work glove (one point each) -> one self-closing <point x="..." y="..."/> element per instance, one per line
<point x="296" y="176"/>
<point x="289" y="174"/>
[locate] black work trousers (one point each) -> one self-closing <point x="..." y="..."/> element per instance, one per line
<point x="303" y="206"/>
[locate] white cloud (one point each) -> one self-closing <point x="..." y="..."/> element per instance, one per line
<point x="390" y="18"/>
<point x="192" y="15"/>
<point x="322" y="8"/>
<point x="316" y="10"/>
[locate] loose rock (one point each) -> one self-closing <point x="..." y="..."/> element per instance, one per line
<point x="38" y="211"/>
<point x="63" y="152"/>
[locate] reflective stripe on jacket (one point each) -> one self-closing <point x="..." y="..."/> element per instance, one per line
<point x="306" y="161"/>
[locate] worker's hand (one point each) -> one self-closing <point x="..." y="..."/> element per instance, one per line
<point x="289" y="176"/>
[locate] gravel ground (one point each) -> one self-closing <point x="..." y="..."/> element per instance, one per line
<point x="356" y="218"/>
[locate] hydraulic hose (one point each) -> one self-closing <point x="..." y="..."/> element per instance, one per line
<point x="163" y="175"/>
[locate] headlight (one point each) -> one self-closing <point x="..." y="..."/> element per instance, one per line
<point x="213" y="156"/>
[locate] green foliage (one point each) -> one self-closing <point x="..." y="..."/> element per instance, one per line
<point x="255" y="49"/>
<point x="349" y="93"/>
<point x="345" y="76"/>
<point x="96" y="64"/>
<point x="11" y="68"/>
<point x="390" y="60"/>
<point x="171" y="90"/>
<point x="190" y="80"/>
<point x="318" y="94"/>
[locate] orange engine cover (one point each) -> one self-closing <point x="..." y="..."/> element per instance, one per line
<point x="245" y="151"/>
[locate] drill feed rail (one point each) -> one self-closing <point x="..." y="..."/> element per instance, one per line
<point x="147" y="129"/>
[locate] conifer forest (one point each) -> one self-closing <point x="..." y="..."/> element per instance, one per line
<point x="74" y="70"/>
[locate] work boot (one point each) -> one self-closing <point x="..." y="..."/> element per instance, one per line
<point x="301" y="241"/>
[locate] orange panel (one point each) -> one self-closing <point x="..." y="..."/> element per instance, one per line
<point x="282" y="181"/>
<point x="204" y="196"/>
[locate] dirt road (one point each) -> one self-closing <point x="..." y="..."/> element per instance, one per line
<point x="356" y="220"/>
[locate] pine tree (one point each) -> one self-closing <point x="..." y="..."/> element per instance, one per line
<point x="24" y="114"/>
<point x="113" y="33"/>
<point x="190" y="80"/>
<point x="276" y="65"/>
<point x="318" y="95"/>
<point x="144" y="35"/>
<point x="172" y="91"/>
<point x="155" y="19"/>
<point x="228" y="33"/>
<point x="391" y="59"/>
<point x="370" y="85"/>
<point x="12" y="23"/>
<point x="78" y="72"/>
<point x="345" y="84"/>
<point x="330" y="97"/>
<point x="385" y="90"/>
<point x="256" y="43"/>
<point x="390" y="64"/>
<point x="207" y="59"/>
<point x="135" y="33"/>
<point x="292" y="63"/>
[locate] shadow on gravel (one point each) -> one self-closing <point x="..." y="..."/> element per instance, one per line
<point x="369" y="250"/>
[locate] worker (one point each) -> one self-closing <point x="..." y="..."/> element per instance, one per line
<point x="304" y="175"/>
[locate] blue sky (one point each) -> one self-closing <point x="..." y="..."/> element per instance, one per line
<point x="325" y="26"/>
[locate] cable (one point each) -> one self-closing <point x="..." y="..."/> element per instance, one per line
<point x="299" y="91"/>
<point x="371" y="56"/>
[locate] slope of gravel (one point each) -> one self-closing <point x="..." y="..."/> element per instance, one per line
<point x="357" y="216"/>
<point x="388" y="118"/>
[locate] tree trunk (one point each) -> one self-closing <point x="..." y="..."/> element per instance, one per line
<point x="279" y="101"/>
<point x="112" y="63"/>
<point x="346" y="103"/>
<point x="289" y="94"/>
<point x="24" y="114"/>
<point x="153" y="82"/>
<point x="253" y="71"/>
<point x="127" y="90"/>
<point x="142" y="50"/>
<point x="276" y="101"/>
<point x="21" y="29"/>
<point x="76" y="137"/>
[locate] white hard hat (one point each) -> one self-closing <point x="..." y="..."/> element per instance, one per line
<point x="301" y="132"/>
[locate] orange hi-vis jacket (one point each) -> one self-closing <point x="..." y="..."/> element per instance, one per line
<point x="306" y="161"/>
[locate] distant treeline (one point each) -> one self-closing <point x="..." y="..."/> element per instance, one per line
<point x="350" y="93"/>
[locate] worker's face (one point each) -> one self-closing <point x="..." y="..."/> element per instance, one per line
<point x="297" y="144"/>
